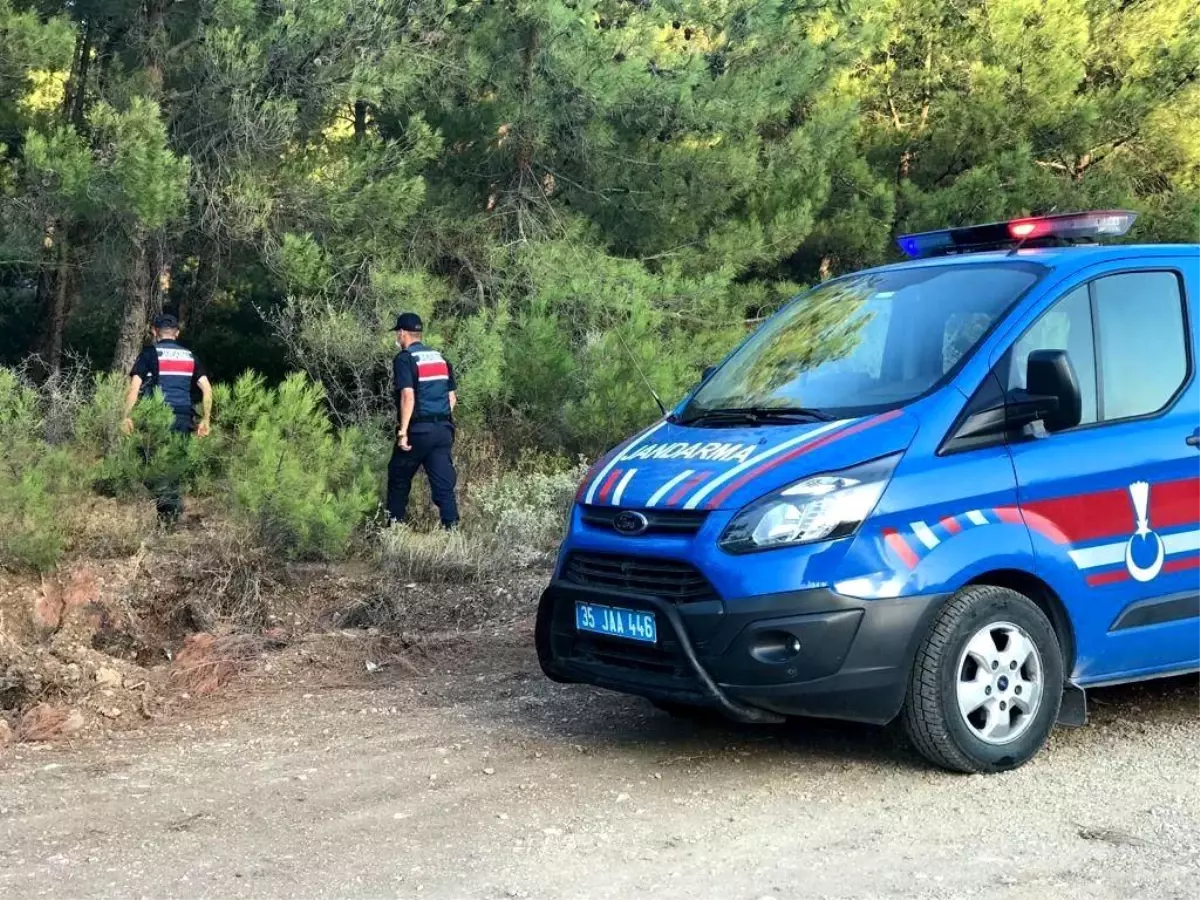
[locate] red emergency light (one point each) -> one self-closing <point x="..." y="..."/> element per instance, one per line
<point x="1025" y="230"/>
<point x="1062" y="228"/>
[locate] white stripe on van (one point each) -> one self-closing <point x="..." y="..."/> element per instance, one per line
<point x="666" y="488"/>
<point x="621" y="485"/>
<point x="924" y="535"/>
<point x="603" y="473"/>
<point x="1104" y="555"/>
<point x="711" y="486"/>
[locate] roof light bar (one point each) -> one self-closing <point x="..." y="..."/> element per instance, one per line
<point x="1064" y="228"/>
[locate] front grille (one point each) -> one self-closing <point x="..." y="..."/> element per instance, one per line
<point x="660" y="521"/>
<point x="668" y="579"/>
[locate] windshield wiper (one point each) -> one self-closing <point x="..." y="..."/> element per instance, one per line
<point x="756" y="414"/>
<point x="794" y="412"/>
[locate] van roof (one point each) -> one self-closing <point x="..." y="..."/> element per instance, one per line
<point x="1072" y="257"/>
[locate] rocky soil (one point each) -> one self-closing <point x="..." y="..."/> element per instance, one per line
<point x="453" y="769"/>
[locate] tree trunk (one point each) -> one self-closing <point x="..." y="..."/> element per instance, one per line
<point x="200" y="293"/>
<point x="139" y="296"/>
<point x="56" y="321"/>
<point x="360" y="119"/>
<point x="76" y="92"/>
<point x="54" y="292"/>
<point x="143" y="295"/>
<point x="156" y="45"/>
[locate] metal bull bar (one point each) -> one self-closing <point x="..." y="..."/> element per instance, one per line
<point x="736" y="711"/>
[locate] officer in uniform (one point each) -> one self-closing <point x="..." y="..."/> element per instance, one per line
<point x="173" y="369"/>
<point x="425" y="400"/>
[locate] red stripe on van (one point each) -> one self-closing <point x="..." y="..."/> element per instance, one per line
<point x="769" y="464"/>
<point x="608" y="483"/>
<point x="900" y="547"/>
<point x="683" y="490"/>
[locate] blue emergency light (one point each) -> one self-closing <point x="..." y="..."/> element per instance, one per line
<point x="1063" y="228"/>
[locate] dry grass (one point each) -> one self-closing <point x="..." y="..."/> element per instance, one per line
<point x="511" y="520"/>
<point x="229" y="581"/>
<point x="104" y="528"/>
<point x="438" y="556"/>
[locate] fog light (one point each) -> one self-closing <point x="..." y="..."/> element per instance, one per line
<point x="775" y="646"/>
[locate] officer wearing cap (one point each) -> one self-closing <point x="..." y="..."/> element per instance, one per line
<point x="425" y="400"/>
<point x="170" y="367"/>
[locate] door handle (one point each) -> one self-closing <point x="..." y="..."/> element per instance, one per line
<point x="1194" y="438"/>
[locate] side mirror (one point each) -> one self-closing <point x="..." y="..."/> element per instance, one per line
<point x="708" y="370"/>
<point x="1052" y="398"/>
<point x="1051" y="392"/>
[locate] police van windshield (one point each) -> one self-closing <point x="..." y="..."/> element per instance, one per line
<point x="865" y="343"/>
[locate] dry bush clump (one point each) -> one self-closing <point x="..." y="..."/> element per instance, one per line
<point x="233" y="583"/>
<point x="439" y="556"/>
<point x="424" y="610"/>
<point x="207" y="661"/>
<point x="47" y="722"/>
<point x="104" y="528"/>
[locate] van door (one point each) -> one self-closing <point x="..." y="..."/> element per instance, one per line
<point x="1113" y="506"/>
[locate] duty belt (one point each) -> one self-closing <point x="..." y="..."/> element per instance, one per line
<point x="430" y="419"/>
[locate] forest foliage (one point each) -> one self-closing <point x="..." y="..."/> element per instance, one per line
<point x="557" y="185"/>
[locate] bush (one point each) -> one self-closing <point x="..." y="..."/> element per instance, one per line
<point x="301" y="488"/>
<point x="526" y="509"/>
<point x="139" y="465"/>
<point x="291" y="484"/>
<point x="39" y="483"/>
<point x="97" y="423"/>
<point x="512" y="521"/>
<point x="439" y="556"/>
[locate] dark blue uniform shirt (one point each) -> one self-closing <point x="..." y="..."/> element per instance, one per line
<point x="174" y="369"/>
<point x="431" y="378"/>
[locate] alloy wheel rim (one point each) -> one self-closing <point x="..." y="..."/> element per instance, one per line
<point x="999" y="683"/>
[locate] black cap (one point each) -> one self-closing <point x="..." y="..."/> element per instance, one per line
<point x="165" y="322"/>
<point x="409" y="322"/>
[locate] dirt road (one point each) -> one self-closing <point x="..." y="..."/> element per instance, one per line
<point x="482" y="779"/>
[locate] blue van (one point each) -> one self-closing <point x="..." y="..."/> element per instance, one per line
<point x="955" y="491"/>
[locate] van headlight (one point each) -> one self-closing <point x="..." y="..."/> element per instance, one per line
<point x="820" y="508"/>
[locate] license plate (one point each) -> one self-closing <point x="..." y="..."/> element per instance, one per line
<point x="612" y="621"/>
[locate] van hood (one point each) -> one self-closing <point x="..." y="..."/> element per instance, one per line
<point x="673" y="466"/>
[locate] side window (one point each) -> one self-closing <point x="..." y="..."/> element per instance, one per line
<point x="1143" y="342"/>
<point x="1067" y="325"/>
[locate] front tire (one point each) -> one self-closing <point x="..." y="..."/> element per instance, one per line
<point x="986" y="684"/>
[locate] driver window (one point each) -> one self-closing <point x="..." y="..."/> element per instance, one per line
<point x="1067" y="325"/>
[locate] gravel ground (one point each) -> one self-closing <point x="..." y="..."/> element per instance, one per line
<point x="482" y="779"/>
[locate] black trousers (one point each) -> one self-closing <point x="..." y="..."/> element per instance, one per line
<point x="431" y="450"/>
<point x="167" y="491"/>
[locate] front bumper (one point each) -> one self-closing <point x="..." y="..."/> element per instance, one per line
<point x="853" y="661"/>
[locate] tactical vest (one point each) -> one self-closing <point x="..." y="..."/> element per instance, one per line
<point x="176" y="367"/>
<point x="433" y="385"/>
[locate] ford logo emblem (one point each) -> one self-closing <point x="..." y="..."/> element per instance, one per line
<point x="630" y="523"/>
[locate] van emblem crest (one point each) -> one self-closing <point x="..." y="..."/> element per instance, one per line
<point x="1143" y="541"/>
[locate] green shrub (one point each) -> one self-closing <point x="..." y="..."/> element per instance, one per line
<point x="525" y="509"/>
<point x="512" y="521"/>
<point x="139" y="465"/>
<point x="38" y="482"/>
<point x="97" y="425"/>
<point x="300" y="486"/>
